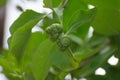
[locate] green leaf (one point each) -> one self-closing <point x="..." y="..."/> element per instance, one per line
<point x="89" y="47"/>
<point x="98" y="60"/>
<point x="97" y="40"/>
<point x="62" y="60"/>
<point x="76" y="39"/>
<point x="97" y="77"/>
<point x="80" y="35"/>
<point x="24" y="19"/>
<point x="71" y="12"/>
<point x="56" y="18"/>
<point x="59" y="14"/>
<point x="19" y="41"/>
<point x="50" y="77"/>
<point x="53" y="3"/>
<point x="8" y="62"/>
<point x="35" y="40"/>
<point x="10" y="66"/>
<point x="112" y="72"/>
<point x="40" y="60"/>
<point x="80" y="18"/>
<point x="107" y="18"/>
<point x="82" y="32"/>
<point x="109" y="21"/>
<point x="2" y="2"/>
<point x="28" y="76"/>
<point x="83" y="53"/>
<point x="115" y="40"/>
<point x="21" y="30"/>
<point x="109" y="4"/>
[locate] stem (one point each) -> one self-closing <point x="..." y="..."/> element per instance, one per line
<point x="64" y="4"/>
<point x="71" y="55"/>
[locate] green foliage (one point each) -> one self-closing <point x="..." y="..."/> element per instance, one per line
<point x="40" y="60"/>
<point x="108" y="15"/>
<point x="64" y="45"/>
<point x="2" y="2"/>
<point x="21" y="30"/>
<point x="53" y="3"/>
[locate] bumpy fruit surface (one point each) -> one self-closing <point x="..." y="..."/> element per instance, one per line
<point x="63" y="42"/>
<point x="54" y="31"/>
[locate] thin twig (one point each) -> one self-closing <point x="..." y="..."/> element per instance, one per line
<point x="65" y="4"/>
<point x="71" y="54"/>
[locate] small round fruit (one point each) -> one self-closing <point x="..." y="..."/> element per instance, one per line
<point x="54" y="31"/>
<point x="64" y="42"/>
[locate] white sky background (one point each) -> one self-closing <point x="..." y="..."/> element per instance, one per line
<point x="12" y="14"/>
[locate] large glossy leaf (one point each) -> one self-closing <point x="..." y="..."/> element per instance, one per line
<point x="107" y="17"/>
<point x="80" y="18"/>
<point x="107" y="21"/>
<point x="41" y="61"/>
<point x="19" y="41"/>
<point x="78" y="28"/>
<point x="35" y="40"/>
<point x="21" y="30"/>
<point x="71" y="12"/>
<point x="82" y="31"/>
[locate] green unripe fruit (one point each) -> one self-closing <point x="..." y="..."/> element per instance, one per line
<point x="54" y="31"/>
<point x="63" y="42"/>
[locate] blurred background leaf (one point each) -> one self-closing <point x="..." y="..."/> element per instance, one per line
<point x="2" y="2"/>
<point x="107" y="18"/>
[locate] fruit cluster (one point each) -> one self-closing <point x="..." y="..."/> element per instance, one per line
<point x="56" y="34"/>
